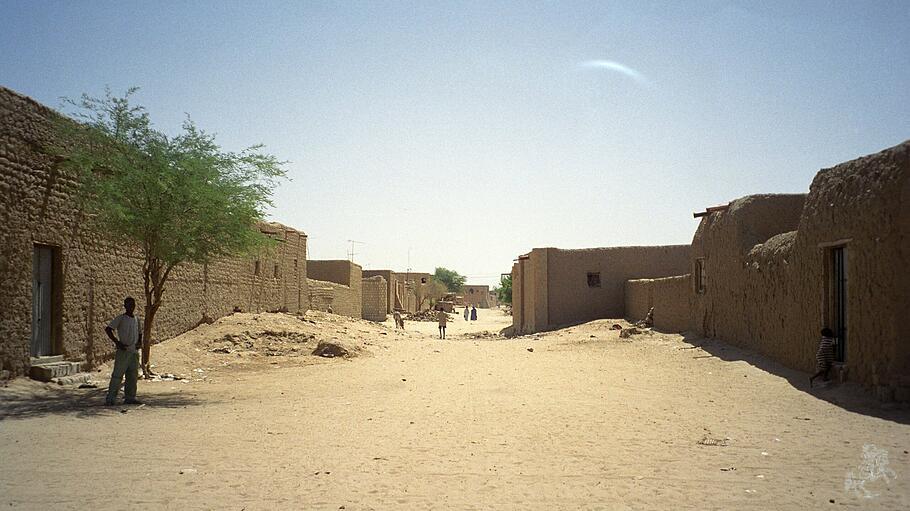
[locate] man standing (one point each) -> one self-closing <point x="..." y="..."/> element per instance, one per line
<point x="126" y="359"/>
<point x="443" y="318"/>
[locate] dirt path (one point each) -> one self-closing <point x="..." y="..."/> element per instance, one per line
<point x="584" y="421"/>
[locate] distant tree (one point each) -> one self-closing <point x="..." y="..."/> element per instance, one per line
<point x="421" y="296"/>
<point x="435" y="291"/>
<point x="450" y="278"/>
<point x="504" y="289"/>
<point x="179" y="199"/>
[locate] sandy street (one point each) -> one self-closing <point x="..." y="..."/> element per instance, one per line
<point x="584" y="421"/>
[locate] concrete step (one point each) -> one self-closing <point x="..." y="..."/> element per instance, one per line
<point x="76" y="379"/>
<point x="46" y="372"/>
<point x="47" y="359"/>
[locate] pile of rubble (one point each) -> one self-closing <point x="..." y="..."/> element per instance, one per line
<point x="485" y="334"/>
<point x="269" y="342"/>
<point x="427" y="315"/>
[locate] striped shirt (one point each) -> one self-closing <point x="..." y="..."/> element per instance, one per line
<point x="825" y="356"/>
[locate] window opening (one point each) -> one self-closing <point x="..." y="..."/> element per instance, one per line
<point x="700" y="280"/>
<point x="594" y="279"/>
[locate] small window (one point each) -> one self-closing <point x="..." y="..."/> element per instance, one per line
<point x="472" y="291"/>
<point x="276" y="270"/>
<point x="700" y="282"/>
<point x="423" y="280"/>
<point x="256" y="268"/>
<point x="594" y="279"/>
<point x="295" y="264"/>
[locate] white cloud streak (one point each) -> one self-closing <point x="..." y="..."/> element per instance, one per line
<point x="618" y="67"/>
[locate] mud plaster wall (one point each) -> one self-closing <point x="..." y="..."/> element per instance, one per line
<point x="93" y="274"/>
<point x="750" y="307"/>
<point x="770" y="297"/>
<point x="375" y="298"/>
<point x="670" y="297"/>
<point x="388" y="275"/>
<point x="407" y="282"/>
<point x="348" y="299"/>
<point x="518" y="298"/>
<point x="572" y="300"/>
<point x="554" y="286"/>
<point x="478" y="296"/>
<point x="341" y="299"/>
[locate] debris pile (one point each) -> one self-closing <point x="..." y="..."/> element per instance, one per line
<point x="335" y="348"/>
<point x="648" y="322"/>
<point x="268" y="342"/>
<point x="485" y="334"/>
<point x="625" y="333"/>
<point x="426" y="315"/>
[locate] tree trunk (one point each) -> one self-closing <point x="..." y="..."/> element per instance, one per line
<point x="154" y="281"/>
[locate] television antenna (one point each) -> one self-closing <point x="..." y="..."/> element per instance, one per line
<point x="351" y="253"/>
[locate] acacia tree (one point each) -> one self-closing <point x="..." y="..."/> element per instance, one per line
<point x="504" y="290"/>
<point x="180" y="199"/>
<point x="421" y="295"/>
<point x="435" y="290"/>
<point x="452" y="280"/>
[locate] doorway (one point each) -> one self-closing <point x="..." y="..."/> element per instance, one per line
<point x="837" y="300"/>
<point x="43" y="298"/>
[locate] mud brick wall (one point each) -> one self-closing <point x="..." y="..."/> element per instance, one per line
<point x="670" y="297"/>
<point x="406" y="285"/>
<point x="553" y="288"/>
<point x="478" y="296"/>
<point x="768" y="270"/>
<point x="348" y="298"/>
<point x="340" y="298"/>
<point x="390" y="280"/>
<point x="92" y="274"/>
<point x="375" y="298"/>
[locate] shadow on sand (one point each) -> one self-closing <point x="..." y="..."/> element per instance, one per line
<point x="849" y="396"/>
<point x="24" y="400"/>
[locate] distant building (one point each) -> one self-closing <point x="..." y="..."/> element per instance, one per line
<point x="476" y="295"/>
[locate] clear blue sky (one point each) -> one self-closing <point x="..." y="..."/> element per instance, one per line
<point x="474" y="131"/>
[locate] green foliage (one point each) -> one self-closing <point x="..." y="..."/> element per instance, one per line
<point x="450" y="278"/>
<point x="179" y="199"/>
<point x="435" y="290"/>
<point x="504" y="290"/>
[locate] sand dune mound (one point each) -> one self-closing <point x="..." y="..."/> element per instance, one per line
<point x="257" y="341"/>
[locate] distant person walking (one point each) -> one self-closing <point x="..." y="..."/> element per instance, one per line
<point x="443" y="319"/>
<point x="824" y="357"/>
<point x="473" y="313"/>
<point x="467" y="312"/>
<point x="126" y="358"/>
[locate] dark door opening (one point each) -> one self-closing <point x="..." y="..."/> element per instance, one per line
<point x="838" y="301"/>
<point x="42" y="301"/>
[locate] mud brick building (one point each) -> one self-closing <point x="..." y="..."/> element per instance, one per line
<point x="553" y="287"/>
<point x="336" y="284"/>
<point x="768" y="272"/>
<point x="476" y="295"/>
<point x="60" y="282"/>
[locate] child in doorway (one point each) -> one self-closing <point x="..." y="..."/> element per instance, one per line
<point x="824" y="357"/>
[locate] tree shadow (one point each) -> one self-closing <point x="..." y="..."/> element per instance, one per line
<point x="849" y="396"/>
<point x="25" y="401"/>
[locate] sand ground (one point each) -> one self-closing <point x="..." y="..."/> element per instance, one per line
<point x="584" y="421"/>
